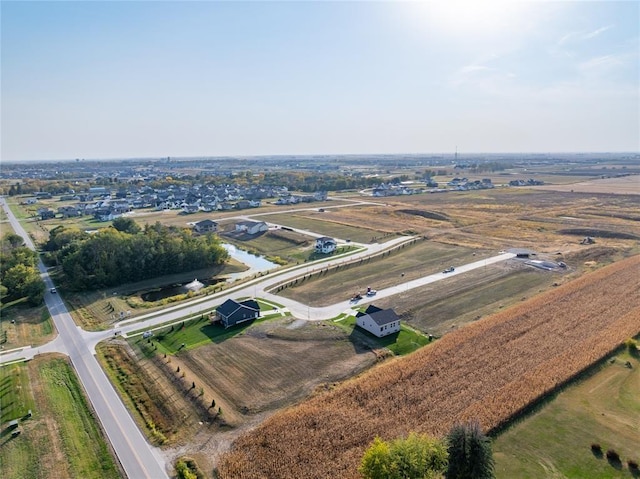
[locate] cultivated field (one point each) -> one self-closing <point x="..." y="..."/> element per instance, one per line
<point x="61" y="439"/>
<point x="490" y="370"/>
<point x="625" y="185"/>
<point x="556" y="440"/>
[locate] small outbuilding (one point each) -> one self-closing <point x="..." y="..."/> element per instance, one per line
<point x="233" y="312"/>
<point x="379" y="322"/>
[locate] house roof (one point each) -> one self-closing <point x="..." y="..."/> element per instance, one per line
<point x="230" y="306"/>
<point x="249" y="224"/>
<point x="384" y="316"/>
<point x="370" y="309"/>
<point x="206" y="223"/>
<point x="325" y="239"/>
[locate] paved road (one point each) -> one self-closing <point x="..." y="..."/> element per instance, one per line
<point x="137" y="457"/>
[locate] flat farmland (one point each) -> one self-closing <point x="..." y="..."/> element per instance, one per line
<point x="323" y="225"/>
<point x="625" y="185"/>
<point x="413" y="261"/>
<point x="555" y="441"/>
<point x="543" y="343"/>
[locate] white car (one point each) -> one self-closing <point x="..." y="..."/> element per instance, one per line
<point x="53" y="291"/>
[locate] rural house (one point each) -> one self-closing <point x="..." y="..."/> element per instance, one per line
<point x="233" y="312"/>
<point x="252" y="227"/>
<point x="325" y="245"/>
<point x="205" y="226"/>
<point x="379" y="322"/>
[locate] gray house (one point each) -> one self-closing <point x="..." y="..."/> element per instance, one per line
<point x="232" y="312"/>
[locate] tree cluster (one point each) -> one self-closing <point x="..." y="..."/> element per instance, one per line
<point x="19" y="275"/>
<point x="111" y="257"/>
<point x="465" y="454"/>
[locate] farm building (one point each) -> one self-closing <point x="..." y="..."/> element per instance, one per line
<point x="325" y="245"/>
<point x="379" y="322"/>
<point x="205" y="226"/>
<point x="252" y="227"/>
<point x="233" y="312"/>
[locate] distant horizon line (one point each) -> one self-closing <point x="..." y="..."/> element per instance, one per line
<point x="322" y="155"/>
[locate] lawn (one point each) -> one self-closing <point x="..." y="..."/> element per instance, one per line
<point x="556" y="440"/>
<point x="191" y="334"/>
<point x="15" y="397"/>
<point x="62" y="439"/>
<point x="403" y="342"/>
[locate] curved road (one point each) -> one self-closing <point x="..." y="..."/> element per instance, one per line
<point x="138" y="458"/>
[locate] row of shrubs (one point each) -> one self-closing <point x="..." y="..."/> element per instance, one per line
<point x="613" y="456"/>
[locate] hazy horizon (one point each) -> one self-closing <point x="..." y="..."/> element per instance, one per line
<point x="123" y="80"/>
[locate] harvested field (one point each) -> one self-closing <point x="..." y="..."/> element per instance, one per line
<point x="625" y="185"/>
<point x="490" y="370"/>
<point x="407" y="263"/>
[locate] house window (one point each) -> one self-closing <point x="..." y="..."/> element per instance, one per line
<point x="380" y="328"/>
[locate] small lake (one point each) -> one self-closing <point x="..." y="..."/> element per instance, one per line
<point x="256" y="264"/>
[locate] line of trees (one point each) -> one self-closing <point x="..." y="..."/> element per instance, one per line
<point x="19" y="275"/>
<point x="111" y="257"/>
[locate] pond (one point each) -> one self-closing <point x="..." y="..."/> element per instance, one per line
<point x="256" y="264"/>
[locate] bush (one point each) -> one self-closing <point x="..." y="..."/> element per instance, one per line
<point x="633" y="465"/>
<point x="613" y="456"/>
<point x="596" y="448"/>
<point x="632" y="346"/>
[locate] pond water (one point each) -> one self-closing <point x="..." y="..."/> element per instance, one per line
<point x="256" y="264"/>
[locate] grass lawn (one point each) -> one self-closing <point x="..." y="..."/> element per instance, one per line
<point x="62" y="438"/>
<point x="556" y="440"/>
<point x="403" y="342"/>
<point x="199" y="332"/>
<point x="15" y="397"/>
<point x="23" y="325"/>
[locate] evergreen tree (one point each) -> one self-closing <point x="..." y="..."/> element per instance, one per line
<point x="470" y="455"/>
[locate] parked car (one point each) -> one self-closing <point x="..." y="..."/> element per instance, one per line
<point x="450" y="269"/>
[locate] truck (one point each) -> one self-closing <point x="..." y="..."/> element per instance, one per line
<point x="450" y="269"/>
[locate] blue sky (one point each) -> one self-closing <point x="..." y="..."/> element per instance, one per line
<point x="148" y="79"/>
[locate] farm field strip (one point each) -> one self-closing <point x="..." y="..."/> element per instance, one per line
<point x="490" y="370"/>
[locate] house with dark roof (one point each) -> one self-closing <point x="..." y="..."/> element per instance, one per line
<point x="379" y="322"/>
<point x="232" y="312"/>
<point x="325" y="245"/>
<point x="205" y="226"/>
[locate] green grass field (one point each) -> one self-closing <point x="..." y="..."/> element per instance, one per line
<point x="404" y="342"/>
<point x="24" y="325"/>
<point x="556" y="441"/>
<point x="190" y="334"/>
<point x="15" y="397"/>
<point x="62" y="438"/>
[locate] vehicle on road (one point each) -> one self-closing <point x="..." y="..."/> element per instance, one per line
<point x="450" y="269"/>
<point x="53" y="291"/>
<point x="371" y="292"/>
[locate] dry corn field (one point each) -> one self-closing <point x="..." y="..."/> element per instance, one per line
<point x="489" y="370"/>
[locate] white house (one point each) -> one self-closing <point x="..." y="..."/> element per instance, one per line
<point x="379" y="323"/>
<point x="252" y="227"/>
<point x="325" y="245"/>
